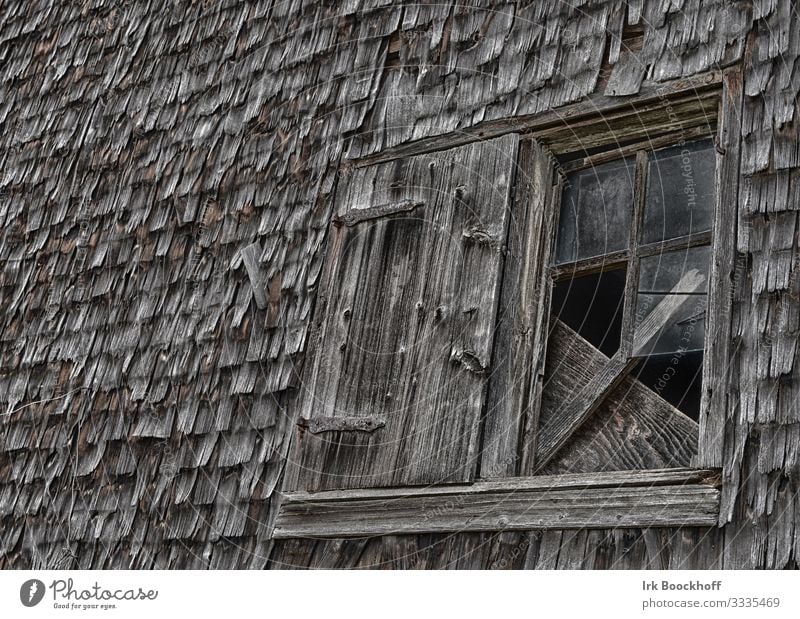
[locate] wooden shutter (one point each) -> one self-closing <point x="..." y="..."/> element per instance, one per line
<point x="405" y="319"/>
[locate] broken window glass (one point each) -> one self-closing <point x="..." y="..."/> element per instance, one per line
<point x="680" y="192"/>
<point x="592" y="305"/>
<point x="596" y="211"/>
<point x="676" y="378"/>
<point x="679" y="279"/>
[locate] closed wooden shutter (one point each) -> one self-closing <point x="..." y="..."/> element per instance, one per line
<point x="404" y="323"/>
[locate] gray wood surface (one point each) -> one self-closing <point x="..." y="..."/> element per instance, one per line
<point x="634" y="428"/>
<point x="717" y="358"/>
<point x="250" y="257"/>
<point x="555" y="127"/>
<point x="679" y="497"/>
<point x="580" y="401"/>
<point x="406" y="320"/>
<point x="512" y="406"/>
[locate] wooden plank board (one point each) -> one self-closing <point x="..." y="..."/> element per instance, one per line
<point x="581" y="400"/>
<point x="522" y="317"/>
<point x="679" y="497"/>
<point x="717" y="359"/>
<point x="634" y="428"/>
<point x="405" y="326"/>
<point x="619" y="126"/>
<point x="530" y="438"/>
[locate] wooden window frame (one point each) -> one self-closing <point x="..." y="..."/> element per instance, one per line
<point x="633" y="337"/>
<point x="722" y="122"/>
<point x="508" y="495"/>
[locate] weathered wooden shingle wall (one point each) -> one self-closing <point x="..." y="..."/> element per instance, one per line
<point x="143" y="144"/>
<point x="544" y="550"/>
<point x="762" y="436"/>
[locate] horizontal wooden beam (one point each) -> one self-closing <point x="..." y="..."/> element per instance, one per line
<point x="556" y="127"/>
<point x="665" y="498"/>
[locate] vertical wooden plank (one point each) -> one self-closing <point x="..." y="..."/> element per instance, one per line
<point x="522" y="315"/>
<point x="405" y="334"/>
<point x="716" y="360"/>
<point x="549" y="549"/>
<point x="629" y="317"/>
<point x="292" y="554"/>
<point x="572" y="554"/>
<point x="541" y="327"/>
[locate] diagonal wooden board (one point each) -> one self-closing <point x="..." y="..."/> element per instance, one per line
<point x="634" y="428"/>
<point x="584" y="401"/>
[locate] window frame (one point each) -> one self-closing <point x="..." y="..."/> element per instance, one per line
<point x="718" y="345"/>
<point x="624" y="361"/>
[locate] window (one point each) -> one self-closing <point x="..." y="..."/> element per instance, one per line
<point x="497" y="345"/>
<point x="630" y="277"/>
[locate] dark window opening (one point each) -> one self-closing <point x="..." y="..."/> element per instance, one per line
<point x="676" y="377"/>
<point x="592" y="305"/>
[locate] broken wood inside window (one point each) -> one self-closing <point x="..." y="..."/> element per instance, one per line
<point x="592" y="306"/>
<point x="659" y="276"/>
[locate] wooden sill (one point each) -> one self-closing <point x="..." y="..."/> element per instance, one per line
<point x="630" y="499"/>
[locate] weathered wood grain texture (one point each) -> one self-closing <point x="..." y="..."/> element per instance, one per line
<point x="718" y="339"/>
<point x="512" y="403"/>
<point x="529" y="56"/>
<point x="622" y="499"/>
<point x="577" y="401"/>
<point x="634" y="428"/>
<point x="251" y="256"/>
<point x="146" y="143"/>
<point x="406" y="320"/>
<point x="530" y="440"/>
<point x="691" y="110"/>
<point x="685" y="104"/>
<point x="598" y="549"/>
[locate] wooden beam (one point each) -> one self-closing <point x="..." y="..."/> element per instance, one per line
<point x="665" y="498"/>
<point x="522" y="318"/>
<point x="716" y="361"/>
<point x="558" y="122"/>
<point x="586" y="400"/>
<point x="649" y="119"/>
<point x="653" y="142"/>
